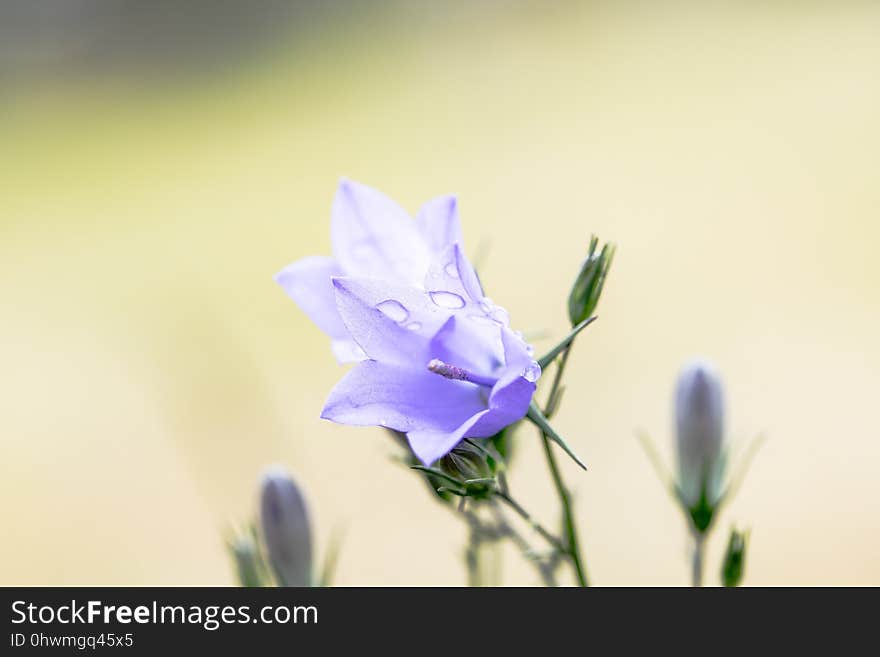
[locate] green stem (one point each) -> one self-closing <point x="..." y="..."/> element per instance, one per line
<point x="697" y="565"/>
<point x="525" y="515"/>
<point x="545" y="570"/>
<point x="556" y="388"/>
<point x="472" y="551"/>
<point x="572" y="548"/>
<point x="574" y="551"/>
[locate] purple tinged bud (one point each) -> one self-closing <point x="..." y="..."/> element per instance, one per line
<point x="699" y="424"/>
<point x="287" y="534"/>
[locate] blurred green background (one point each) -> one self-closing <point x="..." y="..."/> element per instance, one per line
<point x="158" y="166"/>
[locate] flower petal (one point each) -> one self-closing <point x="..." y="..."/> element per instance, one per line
<point x="391" y="323"/>
<point x="452" y="272"/>
<point x="347" y="351"/>
<point x="374" y="237"/>
<point x="508" y="403"/>
<point x="516" y="351"/>
<point x="402" y="399"/>
<point x="510" y="398"/>
<point x="471" y="345"/>
<point x="438" y="223"/>
<point x="430" y="444"/>
<point x="308" y="283"/>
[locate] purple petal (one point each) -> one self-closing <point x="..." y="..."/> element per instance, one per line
<point x="391" y="323"/>
<point x="401" y="398"/>
<point x="516" y="353"/>
<point x="508" y="403"/>
<point x="430" y="444"/>
<point x="374" y="237"/>
<point x="308" y="283"/>
<point x="452" y="272"/>
<point x="438" y="223"/>
<point x="468" y="344"/>
<point x="347" y="351"/>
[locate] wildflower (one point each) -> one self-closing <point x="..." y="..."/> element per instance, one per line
<point x="439" y="361"/>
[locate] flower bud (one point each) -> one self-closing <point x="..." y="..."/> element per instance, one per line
<point x="699" y="420"/>
<point x="733" y="568"/>
<point x="587" y="286"/>
<point x="286" y="532"/>
<point x="246" y="555"/>
<point x="465" y="462"/>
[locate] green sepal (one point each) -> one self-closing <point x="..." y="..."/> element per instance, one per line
<point x="734" y="564"/>
<point x="538" y="418"/>
<point x="587" y="288"/>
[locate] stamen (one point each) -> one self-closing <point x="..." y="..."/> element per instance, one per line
<point x="456" y="373"/>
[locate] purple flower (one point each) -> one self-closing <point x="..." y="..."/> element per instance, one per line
<point x="439" y="361"/>
<point x="372" y="237"/>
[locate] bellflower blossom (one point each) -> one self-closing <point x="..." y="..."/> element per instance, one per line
<point x="438" y="360"/>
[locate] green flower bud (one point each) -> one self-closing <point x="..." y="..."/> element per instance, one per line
<point x="733" y="567"/>
<point x="287" y="534"/>
<point x="464" y="462"/>
<point x="246" y="556"/>
<point x="587" y="288"/>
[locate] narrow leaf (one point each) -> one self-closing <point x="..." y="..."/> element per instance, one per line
<point x="537" y="417"/>
<point x="551" y="355"/>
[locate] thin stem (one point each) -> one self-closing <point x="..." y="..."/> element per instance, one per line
<point x="545" y="570"/>
<point x="573" y="548"/>
<point x="502" y="483"/>
<point x="472" y="551"/>
<point x="697" y="565"/>
<point x="557" y="388"/>
<point x="525" y="515"/>
<point x="573" y="551"/>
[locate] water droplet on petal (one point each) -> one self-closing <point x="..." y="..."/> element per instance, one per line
<point x="447" y="299"/>
<point x="532" y="372"/>
<point x="486" y="305"/>
<point x="530" y="350"/>
<point x="451" y="270"/>
<point x="414" y="326"/>
<point x="393" y="310"/>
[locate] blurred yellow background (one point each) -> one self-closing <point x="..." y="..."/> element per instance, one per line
<point x="151" y="367"/>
